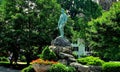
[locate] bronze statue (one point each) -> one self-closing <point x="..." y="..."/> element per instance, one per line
<point x="61" y="22"/>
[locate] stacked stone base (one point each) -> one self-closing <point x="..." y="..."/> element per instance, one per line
<point x="63" y="49"/>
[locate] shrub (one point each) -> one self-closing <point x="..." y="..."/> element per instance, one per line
<point x="22" y="58"/>
<point x="3" y="59"/>
<point x="48" y="54"/>
<point x="90" y="60"/>
<point x="70" y="69"/>
<point x="28" y="69"/>
<point x="111" y="67"/>
<point x="75" y="54"/>
<point x="61" y="68"/>
<point x="40" y="61"/>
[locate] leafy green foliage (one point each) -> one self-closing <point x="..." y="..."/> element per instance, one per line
<point x="75" y="7"/>
<point x="81" y="11"/>
<point x="28" y="69"/>
<point x="111" y="67"/>
<point x="91" y="61"/>
<point x="3" y="59"/>
<point x="22" y="58"/>
<point x="104" y="34"/>
<point x="48" y="54"/>
<point x="28" y="25"/>
<point x="31" y="25"/>
<point x="61" y="68"/>
<point x="4" y="63"/>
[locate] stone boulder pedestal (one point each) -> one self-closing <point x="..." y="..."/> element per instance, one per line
<point x="80" y="67"/>
<point x="63" y="49"/>
<point x="60" y="41"/>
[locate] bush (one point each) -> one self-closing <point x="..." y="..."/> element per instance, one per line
<point x="48" y="54"/>
<point x="41" y="61"/>
<point x="22" y="58"/>
<point x="28" y="69"/>
<point x="3" y="59"/>
<point x="70" y="69"/>
<point x="61" y="68"/>
<point x="111" y="67"/>
<point x="91" y="61"/>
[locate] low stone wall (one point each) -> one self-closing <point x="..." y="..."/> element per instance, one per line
<point x="84" y="68"/>
<point x="95" y="68"/>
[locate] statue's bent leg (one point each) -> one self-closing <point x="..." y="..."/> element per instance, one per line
<point x="61" y="31"/>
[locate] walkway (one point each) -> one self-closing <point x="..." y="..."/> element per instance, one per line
<point x="4" y="69"/>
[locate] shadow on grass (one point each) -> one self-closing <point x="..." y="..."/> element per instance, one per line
<point x="18" y="66"/>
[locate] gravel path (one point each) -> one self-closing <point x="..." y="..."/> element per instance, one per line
<point x="4" y="69"/>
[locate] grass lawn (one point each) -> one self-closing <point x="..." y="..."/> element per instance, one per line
<point x="19" y="66"/>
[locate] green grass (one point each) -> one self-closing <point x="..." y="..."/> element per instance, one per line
<point x="3" y="63"/>
<point x="19" y="66"/>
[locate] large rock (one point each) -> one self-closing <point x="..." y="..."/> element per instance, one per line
<point x="63" y="49"/>
<point x="63" y="61"/>
<point x="65" y="56"/>
<point x="61" y="41"/>
<point x="41" y="67"/>
<point x="70" y="58"/>
<point x="95" y="69"/>
<point x="80" y="67"/>
<point x="58" y="49"/>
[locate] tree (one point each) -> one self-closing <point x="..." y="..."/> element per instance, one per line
<point x="104" y="34"/>
<point x="81" y="7"/>
<point x="81" y="11"/>
<point x="29" y="24"/>
<point x="48" y="54"/>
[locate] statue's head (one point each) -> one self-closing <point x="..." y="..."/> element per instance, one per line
<point x="62" y="10"/>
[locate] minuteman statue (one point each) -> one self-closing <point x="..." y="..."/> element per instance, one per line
<point x="61" y="22"/>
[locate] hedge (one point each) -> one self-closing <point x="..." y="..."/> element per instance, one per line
<point x="111" y="67"/>
<point x="90" y="60"/>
